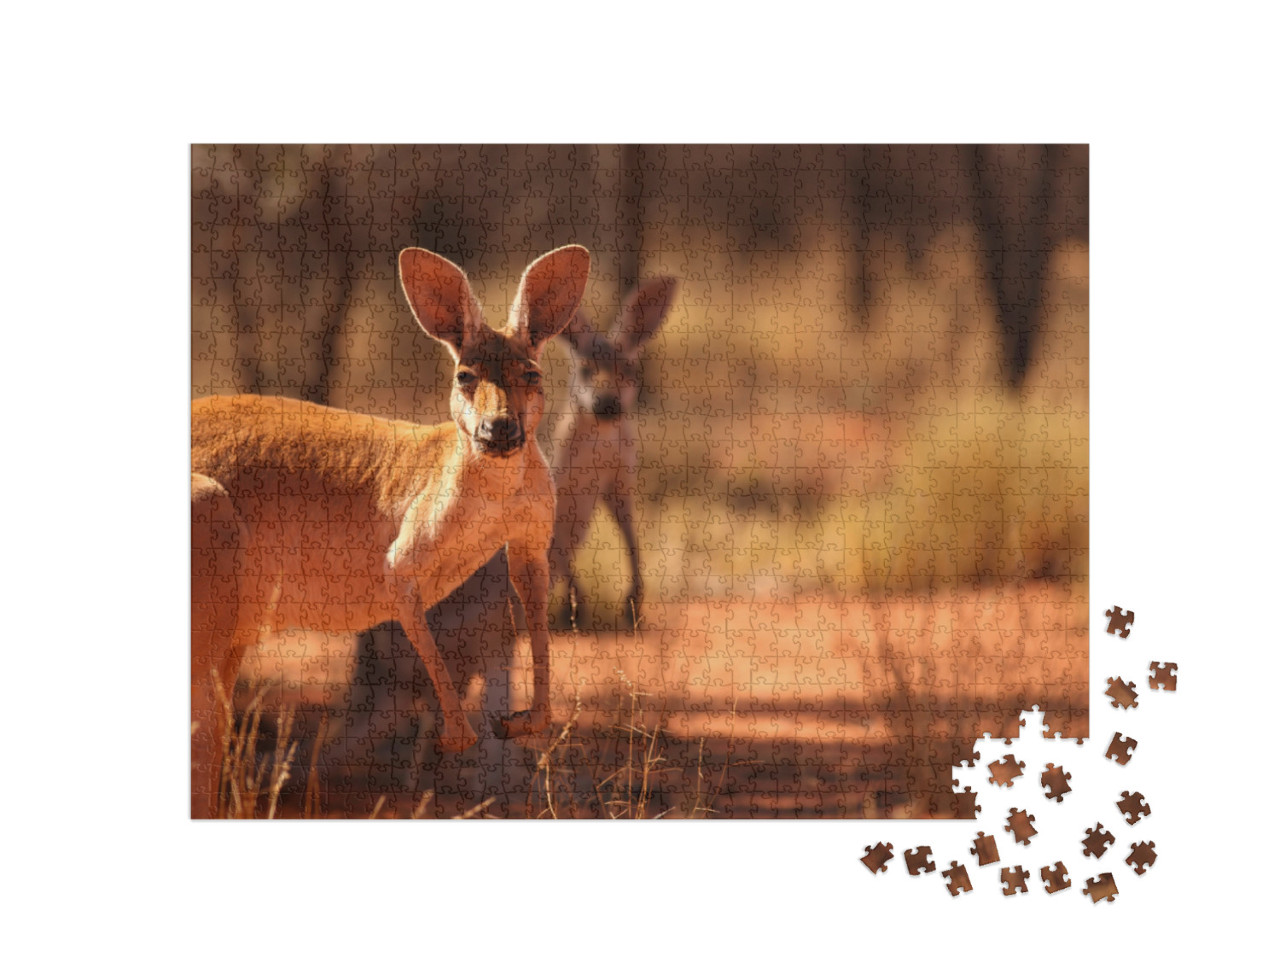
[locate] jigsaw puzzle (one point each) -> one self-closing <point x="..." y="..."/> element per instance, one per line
<point x="1123" y="694"/>
<point x="1164" y="675"/>
<point x="1142" y="856"/>
<point x="1055" y="783"/>
<point x="985" y="848"/>
<point x="1103" y="886"/>
<point x="1121" y="749"/>
<point x="1133" y="806"/>
<point x="957" y="879"/>
<point x="583" y="481"/>
<point x="1014" y="880"/>
<point x="877" y="858"/>
<point x="1055" y="878"/>
<point x="1096" y="841"/>
<point x="918" y="860"/>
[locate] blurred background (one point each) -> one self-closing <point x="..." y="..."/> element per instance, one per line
<point x="872" y="389"/>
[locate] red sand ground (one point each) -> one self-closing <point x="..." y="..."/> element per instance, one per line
<point x="811" y="708"/>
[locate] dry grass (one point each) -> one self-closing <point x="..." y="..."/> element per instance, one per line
<point x="621" y="774"/>
<point x="246" y="773"/>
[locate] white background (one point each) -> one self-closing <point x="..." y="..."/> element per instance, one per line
<point x="101" y="106"/>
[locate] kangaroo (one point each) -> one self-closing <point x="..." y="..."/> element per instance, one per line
<point x="595" y="441"/>
<point x="311" y="517"/>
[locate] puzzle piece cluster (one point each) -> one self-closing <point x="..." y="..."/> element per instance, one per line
<point x="1096" y="843"/>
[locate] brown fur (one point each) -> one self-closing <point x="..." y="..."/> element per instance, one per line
<point x="317" y="518"/>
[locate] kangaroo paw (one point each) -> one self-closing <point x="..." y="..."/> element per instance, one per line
<point x="457" y="738"/>
<point x="526" y="722"/>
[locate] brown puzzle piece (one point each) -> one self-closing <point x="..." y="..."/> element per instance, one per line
<point x="1019" y="823"/>
<point x="1014" y="880"/>
<point x="1055" y="878"/>
<point x="1102" y="887"/>
<point x="957" y="879"/>
<point x="1054" y="780"/>
<point x="876" y="858"/>
<point x="1141" y="856"/>
<point x="918" y="861"/>
<point x="1121" y="749"/>
<point x="1123" y="694"/>
<point x="1096" y="841"/>
<point x="1133" y="806"/>
<point x="1164" y="676"/>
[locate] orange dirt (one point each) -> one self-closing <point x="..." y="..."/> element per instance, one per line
<point x="818" y="707"/>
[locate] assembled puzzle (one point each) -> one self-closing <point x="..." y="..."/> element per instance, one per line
<point x="590" y="482"/>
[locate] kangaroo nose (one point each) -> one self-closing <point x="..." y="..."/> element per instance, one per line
<point x="502" y="434"/>
<point x="607" y="407"/>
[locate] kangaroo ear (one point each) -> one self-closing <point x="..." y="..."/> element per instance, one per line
<point x="579" y="333"/>
<point x="551" y="288"/>
<point x="643" y="312"/>
<point x="439" y="296"/>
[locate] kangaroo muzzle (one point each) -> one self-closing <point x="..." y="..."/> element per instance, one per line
<point x="607" y="407"/>
<point x="503" y="435"/>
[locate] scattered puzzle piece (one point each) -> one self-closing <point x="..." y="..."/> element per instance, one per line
<point x="1141" y="856"/>
<point x="1096" y="841"/>
<point x="876" y="859"/>
<point x="1055" y="879"/>
<point x="918" y="861"/>
<point x="957" y="879"/>
<point x="1055" y="781"/>
<point x="1133" y="806"/>
<point x="984" y="847"/>
<point x="1120" y="622"/>
<point x="1102" y="887"/>
<point x="1121" y="749"/>
<point x="1015" y="880"/>
<point x="1003" y="773"/>
<point x="1163" y="676"/>
<point x="1019" y="823"/>
<point x="1123" y="694"/>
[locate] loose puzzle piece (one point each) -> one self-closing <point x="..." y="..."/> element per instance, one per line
<point x="957" y="879"/>
<point x="1121" y="749"/>
<point x="1133" y="806"/>
<point x="918" y="861"/>
<point x="1015" y="880"/>
<point x="1141" y="856"/>
<point x="1120" y="622"/>
<point x="1019" y="823"/>
<point x="1055" y="879"/>
<point x="1123" y="694"/>
<point x="1054" y="780"/>
<point x="1096" y="841"/>
<point x="1102" y="887"/>
<point x="1003" y="773"/>
<point x="1164" y="676"/>
<point x="876" y="859"/>
<point x="984" y="847"/>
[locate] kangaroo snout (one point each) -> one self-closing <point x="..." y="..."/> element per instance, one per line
<point x="502" y="435"/>
<point x="608" y="407"/>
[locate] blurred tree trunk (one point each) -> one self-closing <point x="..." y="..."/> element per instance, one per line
<point x="1011" y="192"/>
<point x="631" y="230"/>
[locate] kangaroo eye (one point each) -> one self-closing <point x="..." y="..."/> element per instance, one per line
<point x="465" y="378"/>
<point x="585" y="371"/>
<point x="533" y="378"/>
